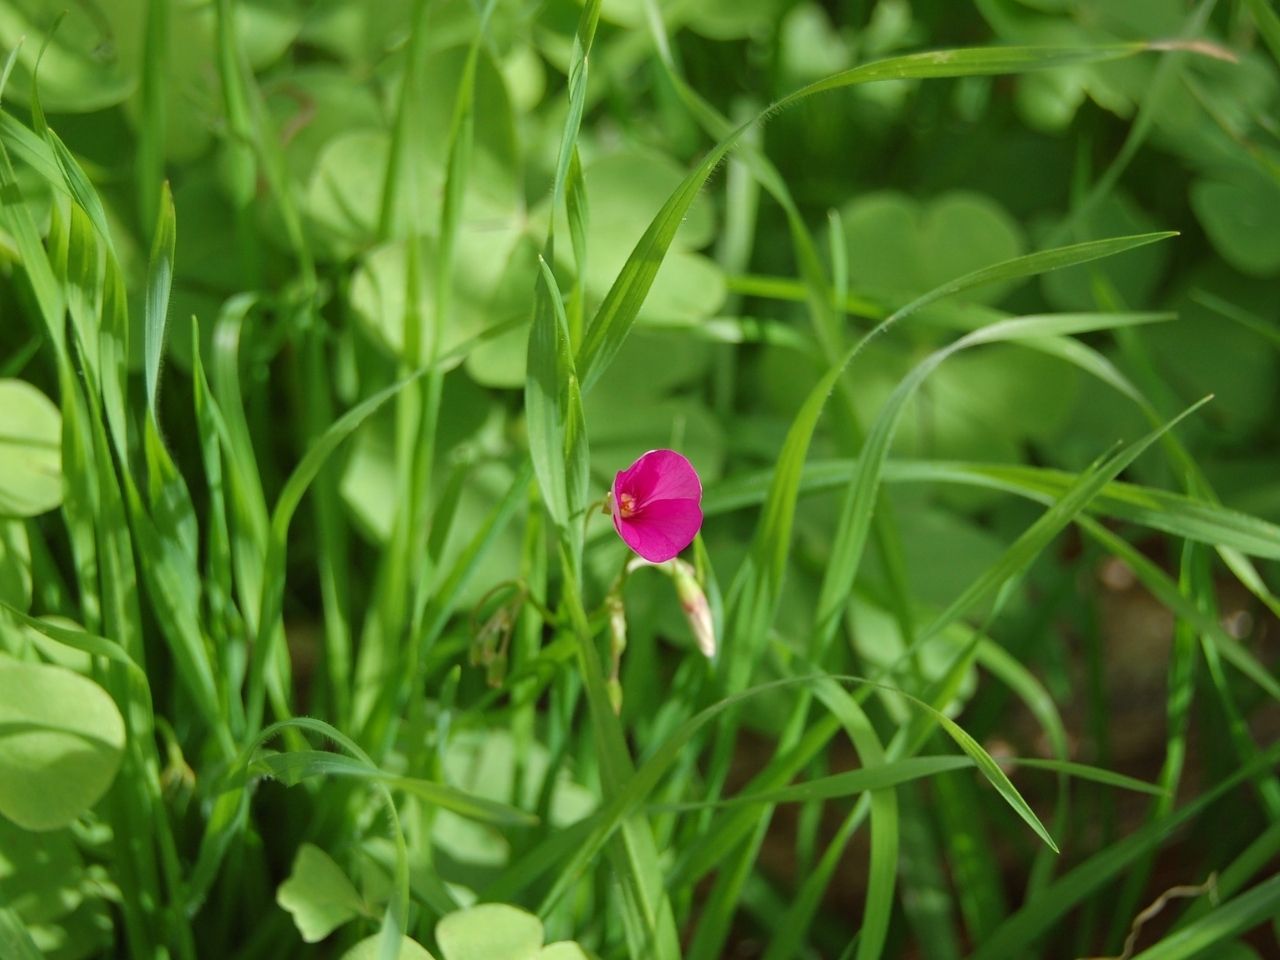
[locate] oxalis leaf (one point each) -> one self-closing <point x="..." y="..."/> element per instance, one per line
<point x="61" y="739"/>
<point x="370" y="949"/>
<point x="318" y="894"/>
<point x="30" y="449"/>
<point x="490" y="931"/>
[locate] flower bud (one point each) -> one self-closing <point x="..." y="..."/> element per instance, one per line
<point x="693" y="600"/>
<point x="617" y="644"/>
<point x="617" y="624"/>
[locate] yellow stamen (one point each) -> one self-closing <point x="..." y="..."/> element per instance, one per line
<point x="626" y="505"/>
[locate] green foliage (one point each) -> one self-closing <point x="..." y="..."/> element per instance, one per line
<point x="318" y="894"/>
<point x="490" y="931"/>
<point x="61" y="737"/>
<point x="326" y="326"/>
<point x="30" y="443"/>
<point x="372" y="948"/>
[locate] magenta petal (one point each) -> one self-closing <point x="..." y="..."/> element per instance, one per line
<point x="661" y="492"/>
<point x="659" y="475"/>
<point x="662" y="530"/>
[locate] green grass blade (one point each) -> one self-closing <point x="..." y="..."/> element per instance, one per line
<point x="1179" y="515"/>
<point x="552" y="413"/>
<point x="926" y="895"/>
<point x="15" y="941"/>
<point x="15" y="217"/>
<point x="725" y="833"/>
<point x="28" y="148"/>
<point x="7" y="69"/>
<point x="1027" y="687"/>
<point x="77" y="639"/>
<point x="1083" y="771"/>
<point x="1183" y="664"/>
<point x="159" y="284"/>
<point x="296" y="766"/>
<point x="553" y="405"/>
<point x="965" y="839"/>
<point x="895" y="772"/>
<point x="976" y="62"/>
<point x="219" y="589"/>
<point x="889" y="774"/>
<point x="989" y="769"/>
<point x="77" y="185"/>
<point x="583" y="39"/>
<point x="1268" y="22"/>
<point x="647" y="913"/>
<point x="247" y="501"/>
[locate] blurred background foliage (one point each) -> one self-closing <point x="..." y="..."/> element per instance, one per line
<point x="929" y="181"/>
<point x="907" y="184"/>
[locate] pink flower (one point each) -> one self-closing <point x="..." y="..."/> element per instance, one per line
<point x="655" y="505"/>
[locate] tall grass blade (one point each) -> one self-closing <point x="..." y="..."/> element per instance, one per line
<point x="159" y="285"/>
<point x="15" y="941"/>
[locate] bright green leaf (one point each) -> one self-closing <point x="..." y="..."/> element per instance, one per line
<point x="564" y="950"/>
<point x="30" y="451"/>
<point x="318" y="894"/>
<point x="369" y="949"/>
<point x="61" y="738"/>
<point x="490" y="931"/>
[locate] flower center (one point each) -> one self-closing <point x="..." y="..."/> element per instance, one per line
<point x="626" y="505"/>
